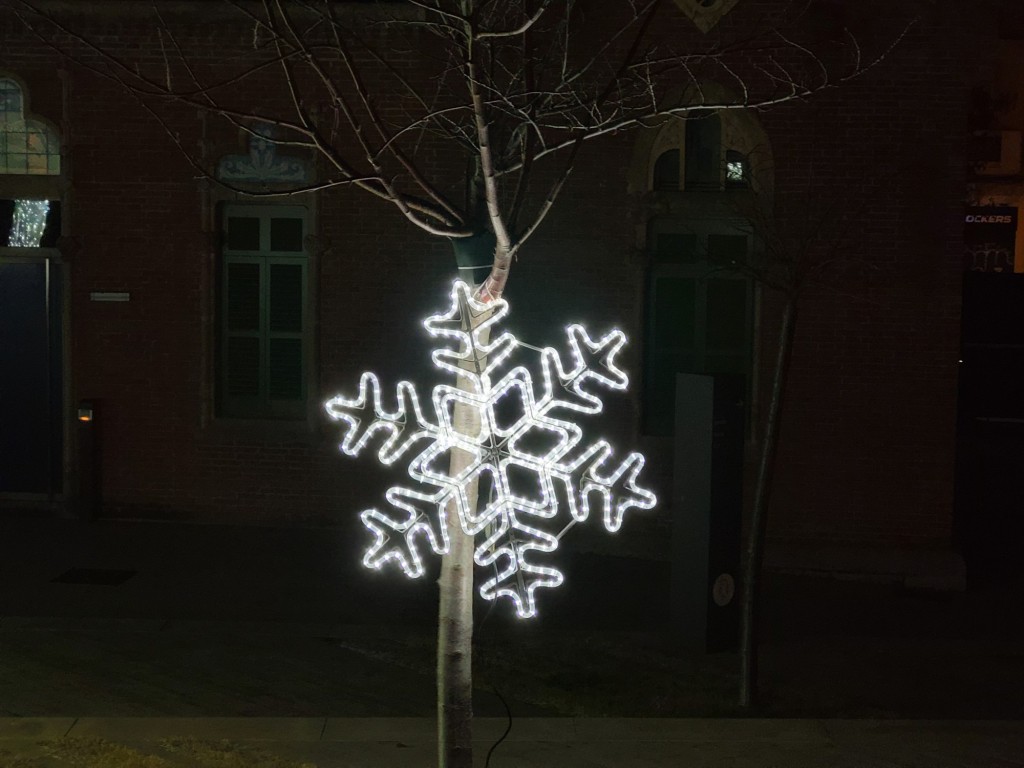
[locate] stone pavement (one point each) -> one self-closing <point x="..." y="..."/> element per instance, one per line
<point x="551" y="742"/>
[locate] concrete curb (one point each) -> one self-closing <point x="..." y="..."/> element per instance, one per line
<point x="546" y="742"/>
<point x="539" y="729"/>
<point x="100" y="624"/>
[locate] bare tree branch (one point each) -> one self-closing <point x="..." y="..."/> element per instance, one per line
<point x="522" y="28"/>
<point x="514" y="84"/>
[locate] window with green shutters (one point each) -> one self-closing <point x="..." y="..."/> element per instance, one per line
<point x="263" y="324"/>
<point x="700" y="312"/>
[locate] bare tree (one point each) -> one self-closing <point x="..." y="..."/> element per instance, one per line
<point x="506" y="90"/>
<point x="815" y="250"/>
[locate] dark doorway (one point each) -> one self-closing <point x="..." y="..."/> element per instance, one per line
<point x="989" y="516"/>
<point x="31" y="424"/>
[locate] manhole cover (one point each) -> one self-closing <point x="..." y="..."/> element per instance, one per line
<point x="110" y="577"/>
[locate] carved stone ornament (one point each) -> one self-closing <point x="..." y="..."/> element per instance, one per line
<point x="262" y="164"/>
<point x="705" y="13"/>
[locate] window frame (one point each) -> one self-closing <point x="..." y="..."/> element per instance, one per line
<point x="654" y="421"/>
<point x="27" y="125"/>
<point x="263" y="407"/>
<point x="692" y="155"/>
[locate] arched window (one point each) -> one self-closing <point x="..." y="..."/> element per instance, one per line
<point x="666" y="170"/>
<point x="703" y="153"/>
<point x="706" y="173"/>
<point x="27" y="146"/>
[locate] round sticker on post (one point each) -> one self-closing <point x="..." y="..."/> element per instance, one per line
<point x="723" y="590"/>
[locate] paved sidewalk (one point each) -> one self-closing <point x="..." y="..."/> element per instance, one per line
<point x="555" y="742"/>
<point x="192" y="571"/>
<point x="201" y="620"/>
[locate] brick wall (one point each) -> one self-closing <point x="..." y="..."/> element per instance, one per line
<point x="866" y="448"/>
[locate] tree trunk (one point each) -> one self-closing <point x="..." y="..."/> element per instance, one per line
<point x="455" y="610"/>
<point x="455" y="630"/>
<point x="759" y="515"/>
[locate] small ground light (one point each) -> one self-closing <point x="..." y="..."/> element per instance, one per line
<point x="85" y="412"/>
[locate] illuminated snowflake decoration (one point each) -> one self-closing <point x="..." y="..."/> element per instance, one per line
<point x="537" y="476"/>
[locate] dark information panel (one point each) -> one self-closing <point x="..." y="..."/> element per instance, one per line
<point x="707" y="506"/>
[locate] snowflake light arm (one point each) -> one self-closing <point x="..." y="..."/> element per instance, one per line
<point x="515" y="576"/>
<point x="364" y="416"/>
<point x="593" y="363"/>
<point x="466" y="324"/>
<point x="616" y="489"/>
<point x="398" y="533"/>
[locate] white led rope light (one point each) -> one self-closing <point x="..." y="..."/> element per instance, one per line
<point x="513" y="528"/>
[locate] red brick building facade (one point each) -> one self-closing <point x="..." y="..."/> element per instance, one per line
<point x="867" y="177"/>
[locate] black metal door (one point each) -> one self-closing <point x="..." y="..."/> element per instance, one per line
<point x="989" y="517"/>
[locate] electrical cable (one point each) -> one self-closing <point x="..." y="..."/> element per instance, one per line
<point x="508" y="728"/>
<point x="508" y="711"/>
